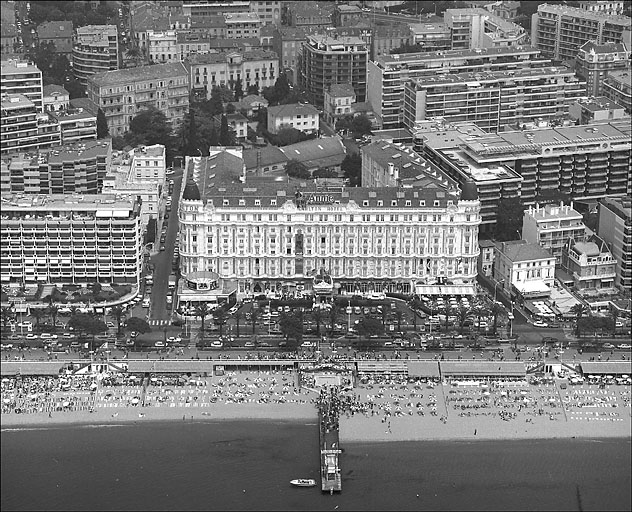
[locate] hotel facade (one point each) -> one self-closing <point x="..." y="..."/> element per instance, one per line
<point x="70" y="238"/>
<point x="268" y="236"/>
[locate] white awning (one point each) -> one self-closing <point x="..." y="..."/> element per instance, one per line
<point x="532" y="287"/>
<point x="444" y="290"/>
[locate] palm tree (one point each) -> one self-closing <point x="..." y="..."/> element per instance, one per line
<point x="7" y="314"/>
<point x="254" y="316"/>
<point x="117" y="312"/>
<point x="219" y="318"/>
<point x="461" y="317"/>
<point x="334" y="313"/>
<point x="448" y="312"/>
<point x="495" y="310"/>
<point x="37" y="314"/>
<point x="578" y="310"/>
<point x="317" y="316"/>
<point x="400" y="316"/>
<point x="52" y="311"/>
<point x="480" y="311"/>
<point x="614" y="316"/>
<point x="202" y="311"/>
<point x="73" y="311"/>
<point x="237" y="317"/>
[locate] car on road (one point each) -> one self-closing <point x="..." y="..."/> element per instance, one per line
<point x="624" y="346"/>
<point x="264" y="344"/>
<point x="159" y="344"/>
<point x="608" y="345"/>
<point x="554" y="325"/>
<point x="217" y="344"/>
<point x="357" y="310"/>
<point x="170" y="172"/>
<point x="249" y="344"/>
<point x="48" y="336"/>
<point x="540" y="323"/>
<point x="308" y="344"/>
<point x="31" y="336"/>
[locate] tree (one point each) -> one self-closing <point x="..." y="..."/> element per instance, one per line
<point x="361" y="125"/>
<point x="352" y="167"/>
<point x="461" y="317"/>
<point x="614" y="317"/>
<point x="399" y="315"/>
<point x="75" y="88"/>
<point x="253" y="89"/>
<point x="230" y="108"/>
<point x="448" y="312"/>
<point x="225" y="138"/>
<point x="189" y="134"/>
<point x="509" y="219"/>
<point x="317" y="316"/>
<point x="52" y="311"/>
<point x="220" y="317"/>
<point x="37" y="314"/>
<point x="117" y="313"/>
<point x="237" y="317"/>
<point x="149" y="127"/>
<point x="202" y="311"/>
<point x="296" y="169"/>
<point x="287" y="136"/>
<point x="254" y="316"/>
<point x="102" y="125"/>
<point x="408" y="48"/>
<point x="480" y="311"/>
<point x="137" y="324"/>
<point x="334" y="314"/>
<point x="239" y="93"/>
<point x="495" y="310"/>
<point x="7" y="313"/>
<point x="87" y="323"/>
<point x="322" y="172"/>
<point x="579" y="310"/>
<point x="223" y="93"/>
<point x="95" y="288"/>
<point x="366" y="328"/>
<point x="291" y="325"/>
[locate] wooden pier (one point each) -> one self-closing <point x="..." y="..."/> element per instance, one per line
<point x="330" y="478"/>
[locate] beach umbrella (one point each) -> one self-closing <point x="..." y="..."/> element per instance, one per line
<point x="503" y="393"/>
<point x="135" y="400"/>
<point x="609" y="377"/>
<point x="66" y="404"/>
<point x="486" y="393"/>
<point x="625" y="376"/>
<point x="523" y="393"/>
<point x="7" y="401"/>
<point x="551" y="399"/>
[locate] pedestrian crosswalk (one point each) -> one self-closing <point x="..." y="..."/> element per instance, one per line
<point x="156" y="322"/>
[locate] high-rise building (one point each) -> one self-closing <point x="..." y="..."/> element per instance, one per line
<point x="319" y="239"/>
<point x="478" y="28"/>
<point x="21" y="77"/>
<point x="23" y="127"/>
<point x="326" y="61"/>
<point x="590" y="263"/>
<point x="96" y="49"/>
<point x="559" y="30"/>
<point x="124" y="93"/>
<point x="387" y="74"/>
<point x="594" y="62"/>
<point x="602" y="6"/>
<point x="552" y="226"/>
<point x="618" y="87"/>
<point x="269" y="11"/>
<point x="578" y="161"/>
<point x="162" y="46"/>
<point x="242" y="25"/>
<point x="78" y="167"/>
<point x="492" y="99"/>
<point x="206" y="8"/>
<point x="286" y="43"/>
<point x="615" y="228"/>
<point x="64" y="238"/>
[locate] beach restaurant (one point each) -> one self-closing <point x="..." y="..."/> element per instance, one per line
<point x="512" y="370"/>
<point x="604" y="368"/>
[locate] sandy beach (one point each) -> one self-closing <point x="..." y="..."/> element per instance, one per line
<point x="386" y="411"/>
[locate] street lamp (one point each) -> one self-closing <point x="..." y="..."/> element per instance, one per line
<point x="349" y="316"/>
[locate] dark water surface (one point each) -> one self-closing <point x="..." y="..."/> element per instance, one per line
<point x="247" y="465"/>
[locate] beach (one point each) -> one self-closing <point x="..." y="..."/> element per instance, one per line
<point x="380" y="410"/>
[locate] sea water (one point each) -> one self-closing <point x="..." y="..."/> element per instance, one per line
<point x="247" y="465"/>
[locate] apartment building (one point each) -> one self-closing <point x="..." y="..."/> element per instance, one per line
<point x="21" y="77"/>
<point x="255" y="67"/>
<point x="525" y="271"/>
<point x="272" y="235"/>
<point x="478" y="28"/>
<point x="95" y="50"/>
<point x="596" y="110"/>
<point x="338" y="102"/>
<point x="618" y="87"/>
<point x="76" y="125"/>
<point x="385" y="38"/>
<point x="300" y="116"/>
<point x="552" y="226"/>
<point x="615" y="228"/>
<point x="327" y="60"/>
<point x="387" y="74"/>
<point x="162" y="46"/>
<point x="214" y="26"/>
<point x="594" y="62"/>
<point x="9" y="38"/>
<point x="269" y="11"/>
<point x="60" y="33"/>
<point x="124" y="93"/>
<point x="207" y="8"/>
<point x="578" y="161"/>
<point x="148" y="163"/>
<point x="64" y="238"/>
<point x="492" y="99"/>
<point x="560" y="30"/>
<point x="286" y="43"/>
<point x="78" y="167"/>
<point x="590" y="264"/>
<point x="190" y="44"/>
<point x="433" y="37"/>
<point x="23" y="127"/>
<point x="310" y="15"/>
<point x="602" y="6"/>
<point x="242" y="25"/>
<point x="55" y="98"/>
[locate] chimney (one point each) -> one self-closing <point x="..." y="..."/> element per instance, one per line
<point x="396" y="173"/>
<point x="503" y="246"/>
<point x="391" y="168"/>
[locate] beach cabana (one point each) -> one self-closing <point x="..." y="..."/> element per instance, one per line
<point x="427" y="369"/>
<point x="374" y="367"/>
<point x="482" y="370"/>
<point x="12" y="368"/>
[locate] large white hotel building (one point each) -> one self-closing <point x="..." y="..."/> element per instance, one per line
<point x="264" y="235"/>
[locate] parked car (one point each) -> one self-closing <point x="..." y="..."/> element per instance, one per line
<point x="540" y="323"/>
<point x="624" y="346"/>
<point x="249" y="344"/>
<point x="308" y="344"/>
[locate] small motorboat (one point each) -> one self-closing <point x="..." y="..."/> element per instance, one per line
<point x="303" y="482"/>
